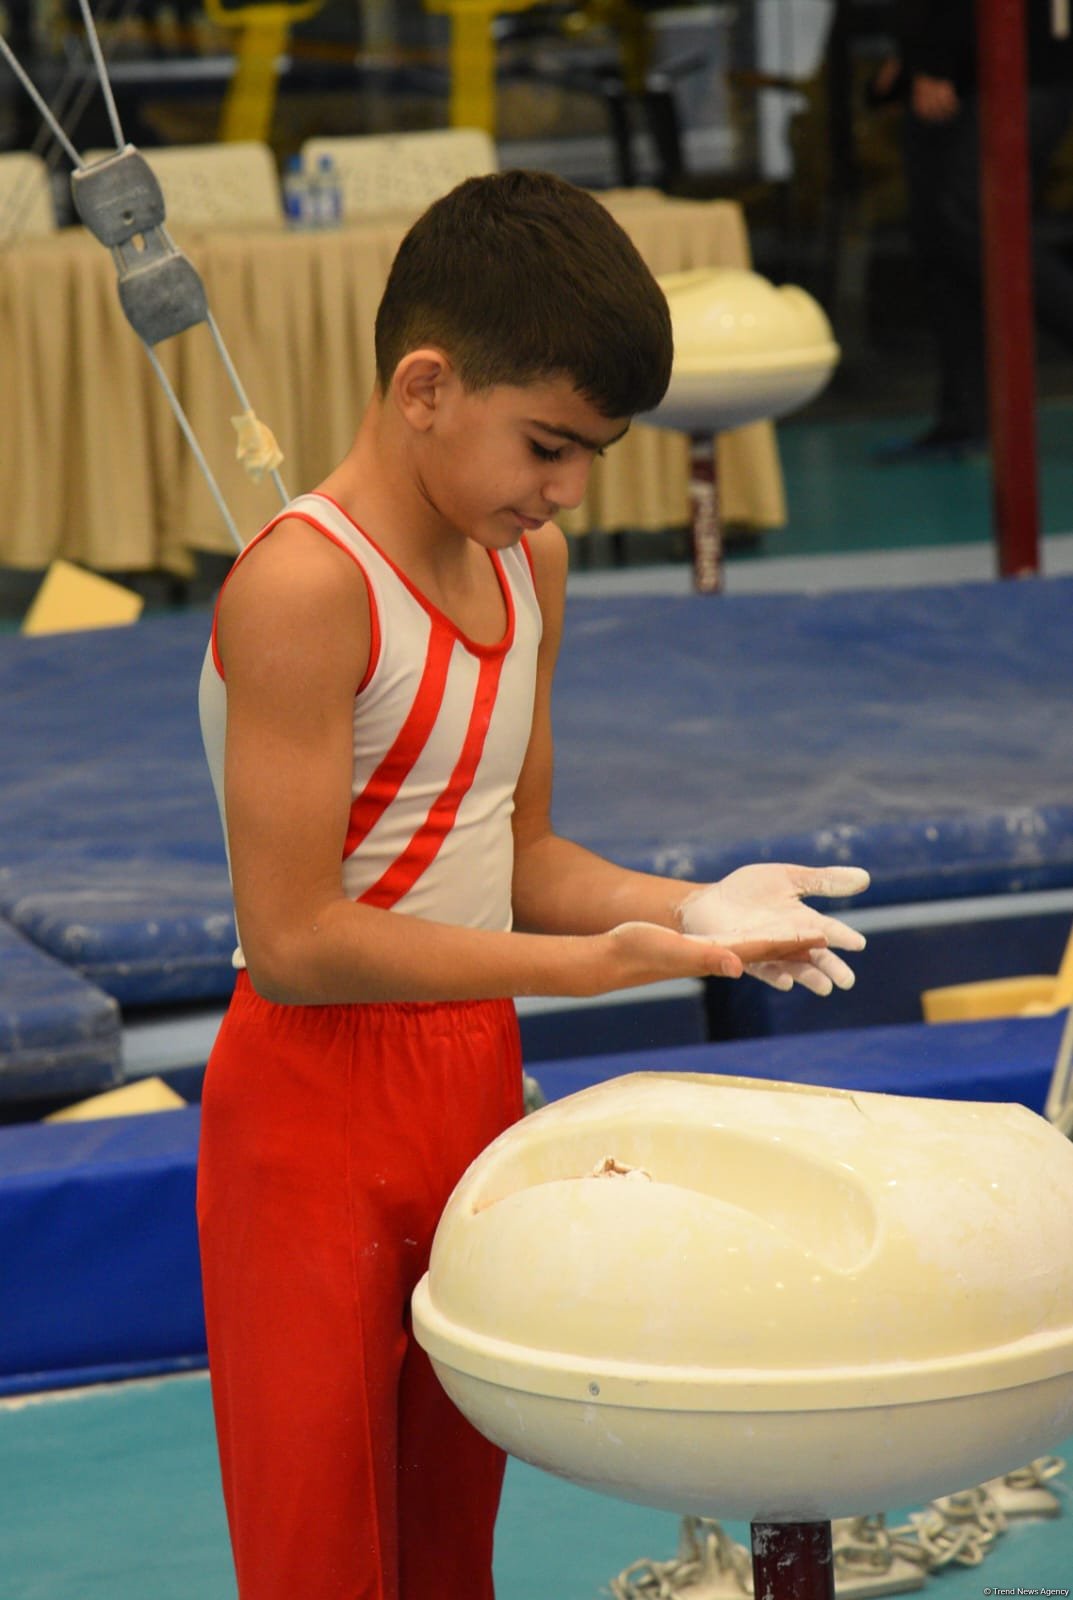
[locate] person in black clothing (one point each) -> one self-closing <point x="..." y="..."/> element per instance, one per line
<point x="936" y="71"/>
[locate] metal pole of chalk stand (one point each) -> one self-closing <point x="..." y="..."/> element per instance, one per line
<point x="707" y="515"/>
<point x="793" y="1561"/>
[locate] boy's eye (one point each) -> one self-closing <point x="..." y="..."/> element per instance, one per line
<point x="543" y="453"/>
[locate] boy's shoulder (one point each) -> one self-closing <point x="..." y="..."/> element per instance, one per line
<point x="291" y="585"/>
<point x="293" y="558"/>
<point x="550" y="555"/>
<point x="550" y="552"/>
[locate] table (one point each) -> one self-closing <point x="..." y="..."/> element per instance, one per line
<point x="93" y="467"/>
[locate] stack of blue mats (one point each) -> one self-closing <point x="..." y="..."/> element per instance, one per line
<point x="924" y="734"/>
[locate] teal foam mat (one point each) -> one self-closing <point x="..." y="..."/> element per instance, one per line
<point x="113" y="1494"/>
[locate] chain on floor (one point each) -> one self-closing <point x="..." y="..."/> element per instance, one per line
<point x="870" y="1557"/>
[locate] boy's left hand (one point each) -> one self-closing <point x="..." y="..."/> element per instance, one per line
<point x="765" y="902"/>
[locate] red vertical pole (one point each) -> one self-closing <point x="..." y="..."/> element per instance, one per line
<point x="1007" y="264"/>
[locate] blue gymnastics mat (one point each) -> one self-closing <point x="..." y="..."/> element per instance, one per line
<point x="925" y="734"/>
<point x="111" y="856"/>
<point x="98" y="1244"/>
<point x="54" y="1028"/>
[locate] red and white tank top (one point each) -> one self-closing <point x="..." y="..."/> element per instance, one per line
<point x="441" y="728"/>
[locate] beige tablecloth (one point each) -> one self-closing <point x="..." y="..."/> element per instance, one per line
<point x="93" y="466"/>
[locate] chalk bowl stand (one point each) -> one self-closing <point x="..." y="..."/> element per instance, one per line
<point x="745" y="351"/>
<point x="792" y="1561"/>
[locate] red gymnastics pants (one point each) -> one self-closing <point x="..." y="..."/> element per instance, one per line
<point x="331" y="1139"/>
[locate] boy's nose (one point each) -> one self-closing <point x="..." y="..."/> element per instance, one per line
<point x="566" y="489"/>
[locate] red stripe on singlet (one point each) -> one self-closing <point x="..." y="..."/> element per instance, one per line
<point x="427" y="841"/>
<point x="369" y="806"/>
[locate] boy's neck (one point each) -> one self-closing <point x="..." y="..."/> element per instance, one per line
<point x="377" y="487"/>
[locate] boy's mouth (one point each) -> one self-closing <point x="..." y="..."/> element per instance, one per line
<point x="529" y="523"/>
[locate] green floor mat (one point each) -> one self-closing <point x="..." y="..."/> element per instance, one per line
<point x="113" y="1494"/>
<point x="841" y="497"/>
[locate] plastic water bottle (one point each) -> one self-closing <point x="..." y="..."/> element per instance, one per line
<point x="297" y="199"/>
<point x="328" y="193"/>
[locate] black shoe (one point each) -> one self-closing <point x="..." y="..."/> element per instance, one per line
<point x="940" y="443"/>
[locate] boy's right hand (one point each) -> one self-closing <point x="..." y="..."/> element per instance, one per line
<point x="637" y="953"/>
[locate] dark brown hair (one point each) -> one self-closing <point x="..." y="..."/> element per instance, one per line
<point x="521" y="277"/>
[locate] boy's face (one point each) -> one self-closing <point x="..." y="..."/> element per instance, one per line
<point x="498" y="464"/>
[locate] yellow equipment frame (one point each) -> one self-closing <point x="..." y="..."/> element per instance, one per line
<point x="472" y="51"/>
<point x="264" y="33"/>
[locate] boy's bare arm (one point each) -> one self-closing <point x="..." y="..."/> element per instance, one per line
<point x="294" y="640"/>
<point x="560" y="887"/>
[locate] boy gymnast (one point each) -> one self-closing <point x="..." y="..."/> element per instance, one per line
<point x="376" y="711"/>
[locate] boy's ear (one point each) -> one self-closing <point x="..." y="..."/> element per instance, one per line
<point x="421" y="382"/>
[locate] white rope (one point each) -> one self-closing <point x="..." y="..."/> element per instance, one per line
<point x="102" y="73"/>
<point x="257" y="448"/>
<point x="243" y="399"/>
<point x="1059" y="1107"/>
<point x="188" y="432"/>
<point x="39" y="100"/>
<point x="68" y="104"/>
<point x="80" y="94"/>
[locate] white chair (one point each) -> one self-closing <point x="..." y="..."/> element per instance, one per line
<point x="26" y="209"/>
<point x="215" y="185"/>
<point x="385" y="172"/>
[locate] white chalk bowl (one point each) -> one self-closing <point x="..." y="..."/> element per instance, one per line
<point x="744" y="350"/>
<point x="808" y="1304"/>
